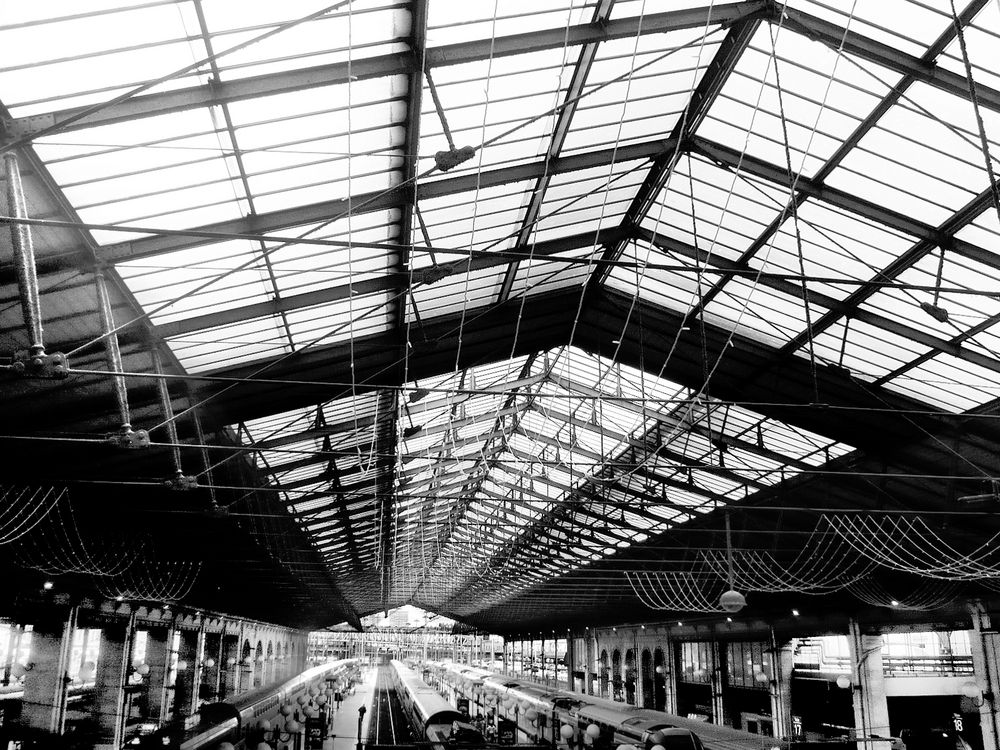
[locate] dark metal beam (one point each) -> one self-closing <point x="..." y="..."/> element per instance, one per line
<point x="367" y="202"/>
<point x="820" y="176"/>
<point x="702" y="98"/>
<point x="393" y="282"/>
<point x="581" y="71"/>
<point x="398" y="64"/>
<point x="833" y="307"/>
<point x="921" y="69"/>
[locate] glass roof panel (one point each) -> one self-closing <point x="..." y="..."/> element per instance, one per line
<point x="106" y="173"/>
<point x="359" y="29"/>
<point x="449" y="22"/>
<point x="957" y="274"/>
<point x="358" y="316"/>
<point x="198" y="280"/>
<point x="588" y="199"/>
<point x="980" y="40"/>
<point x="823" y="95"/>
<point x="761" y="313"/>
<point x="46" y="61"/>
<point x="908" y="25"/>
<point x="727" y="213"/>
<point x="484" y="100"/>
<point x="948" y="382"/>
<point x="452" y="295"/>
<point x="231" y="345"/>
<point x="297" y="145"/>
<point x="638" y="87"/>
<point x="667" y="288"/>
<point x="537" y="276"/>
<point x="481" y="220"/>
<point x="303" y="267"/>
<point x="830" y="244"/>
<point x="917" y="163"/>
<point x="868" y="352"/>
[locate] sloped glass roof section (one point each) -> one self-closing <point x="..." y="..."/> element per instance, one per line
<point x="442" y="224"/>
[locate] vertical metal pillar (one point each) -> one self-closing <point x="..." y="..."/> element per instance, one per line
<point x="109" y="684"/>
<point x="986" y="667"/>
<point x="112" y="353"/>
<point x="871" y="709"/>
<point x="24" y="257"/>
<point x="47" y="678"/>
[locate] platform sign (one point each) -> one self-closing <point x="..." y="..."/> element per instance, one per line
<point x="462" y="704"/>
<point x="506" y="732"/>
<point x="315" y="732"/>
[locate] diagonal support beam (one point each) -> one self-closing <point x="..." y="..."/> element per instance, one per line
<point x="702" y="98"/>
<point x="253" y="226"/>
<point x="820" y="176"/>
<point x="399" y="64"/>
<point x="581" y="71"/>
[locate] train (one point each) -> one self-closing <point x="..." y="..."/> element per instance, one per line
<point x="430" y="714"/>
<point x="548" y="716"/>
<point x="253" y="713"/>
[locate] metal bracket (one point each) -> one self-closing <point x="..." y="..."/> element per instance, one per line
<point x="22" y="126"/>
<point x="181" y="482"/>
<point x="40" y="365"/>
<point x="129" y="439"/>
<point x="446" y="160"/>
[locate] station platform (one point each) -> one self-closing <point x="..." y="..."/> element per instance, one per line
<point x="344" y="723"/>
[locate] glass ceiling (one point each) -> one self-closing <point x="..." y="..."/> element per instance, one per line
<point x="376" y="175"/>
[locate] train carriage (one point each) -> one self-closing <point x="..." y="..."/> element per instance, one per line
<point x="541" y="711"/>
<point x="249" y="712"/>
<point x="433" y="716"/>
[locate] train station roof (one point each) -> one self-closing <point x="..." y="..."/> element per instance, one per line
<point x="526" y="313"/>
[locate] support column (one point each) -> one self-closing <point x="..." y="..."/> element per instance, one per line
<point x="590" y="660"/>
<point x="211" y="672"/>
<point x="13" y="648"/>
<point x="638" y="691"/>
<point x="108" y="711"/>
<point x="717" y="682"/>
<point x="231" y="660"/>
<point x="47" y="677"/>
<point x="669" y="678"/>
<point x="871" y="709"/>
<point x="189" y="651"/>
<point x="985" y="643"/>
<point x="782" y="666"/>
<point x="570" y="661"/>
<point x="159" y="642"/>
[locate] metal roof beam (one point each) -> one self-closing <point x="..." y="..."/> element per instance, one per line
<point x="702" y="98"/>
<point x="657" y="449"/>
<point x="833" y="306"/>
<point x="677" y="423"/>
<point x="581" y="71"/>
<point x="403" y="63"/>
<point x="921" y="69"/>
<point x="262" y="224"/>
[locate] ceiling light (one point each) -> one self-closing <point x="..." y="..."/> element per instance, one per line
<point x="795" y="613"/>
<point x="729" y="619"/>
<point x="48" y="585"/>
<point x="895" y="603"/>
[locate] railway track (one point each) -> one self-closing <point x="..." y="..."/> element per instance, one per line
<point x="389" y="725"/>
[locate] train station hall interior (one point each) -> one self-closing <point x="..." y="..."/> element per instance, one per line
<point x="644" y="354"/>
